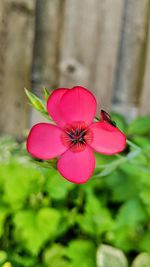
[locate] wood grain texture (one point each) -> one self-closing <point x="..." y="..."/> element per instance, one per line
<point x="89" y="45"/>
<point x="16" y="54"/>
<point x="131" y="58"/>
<point x="49" y="15"/>
<point x="46" y="47"/>
<point x="102" y="45"/>
<point x="145" y="94"/>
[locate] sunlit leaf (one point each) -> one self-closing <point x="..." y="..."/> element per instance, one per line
<point x="108" y="256"/>
<point x="3" y="256"/>
<point x="55" y="256"/>
<point x="142" y="260"/>
<point x="33" y="229"/>
<point x="20" y="181"/>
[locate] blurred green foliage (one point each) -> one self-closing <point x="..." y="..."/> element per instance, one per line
<point x="45" y="221"/>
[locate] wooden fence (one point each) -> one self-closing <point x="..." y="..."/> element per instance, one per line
<point x="103" y="45"/>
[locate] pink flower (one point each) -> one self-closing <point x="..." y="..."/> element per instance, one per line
<point x="75" y="136"/>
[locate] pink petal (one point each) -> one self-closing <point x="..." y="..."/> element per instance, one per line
<point x="53" y="106"/>
<point x="107" y="139"/>
<point x="78" y="104"/>
<point x="77" y="167"/>
<point x="44" y="141"/>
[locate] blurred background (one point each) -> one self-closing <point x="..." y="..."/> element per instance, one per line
<point x="103" y="45"/>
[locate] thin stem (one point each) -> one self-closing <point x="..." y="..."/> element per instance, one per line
<point x="108" y="168"/>
<point x="133" y="145"/>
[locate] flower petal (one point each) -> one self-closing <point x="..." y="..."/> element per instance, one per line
<point x="78" y="104"/>
<point x="53" y="107"/>
<point x="77" y="167"/>
<point x="107" y="139"/>
<point x="44" y="141"/>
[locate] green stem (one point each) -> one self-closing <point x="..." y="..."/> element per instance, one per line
<point x="108" y="168"/>
<point x="133" y="145"/>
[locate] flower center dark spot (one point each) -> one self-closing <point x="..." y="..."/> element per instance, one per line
<point x="76" y="136"/>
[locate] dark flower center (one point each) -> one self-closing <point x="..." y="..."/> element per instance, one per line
<point x="76" y="136"/>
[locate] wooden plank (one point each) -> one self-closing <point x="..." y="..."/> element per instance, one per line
<point x="131" y="57"/>
<point x="17" y="38"/>
<point x="46" y="49"/>
<point x="144" y="108"/>
<point x="89" y="45"/>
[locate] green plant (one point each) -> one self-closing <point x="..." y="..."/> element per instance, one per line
<point x="46" y="221"/>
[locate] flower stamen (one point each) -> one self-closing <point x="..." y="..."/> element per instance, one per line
<point x="76" y="136"/>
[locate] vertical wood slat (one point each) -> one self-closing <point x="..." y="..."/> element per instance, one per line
<point x="131" y="59"/>
<point x="46" y="49"/>
<point x="76" y="43"/>
<point x="48" y="25"/>
<point x="89" y="45"/>
<point x="144" y="108"/>
<point x="17" y="34"/>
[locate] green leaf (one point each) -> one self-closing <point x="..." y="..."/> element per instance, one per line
<point x="145" y="197"/>
<point x="7" y="264"/>
<point x="102" y="159"/>
<point x="140" y="126"/>
<point x="56" y="186"/>
<point x="131" y="169"/>
<point x="129" y="220"/>
<point x="55" y="256"/>
<point x="46" y="93"/>
<point x="4" y="211"/>
<point x="34" y="229"/>
<point x="142" y="260"/>
<point x="20" y="181"/>
<point x="23" y="260"/>
<point x="81" y="252"/>
<point x="141" y="141"/>
<point x="96" y="219"/>
<point x="48" y="219"/>
<point x="119" y="184"/>
<point x="131" y="213"/>
<point x="108" y="256"/>
<point x="110" y="168"/>
<point x="144" y="244"/>
<point x="37" y="103"/>
<point x="3" y="256"/>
